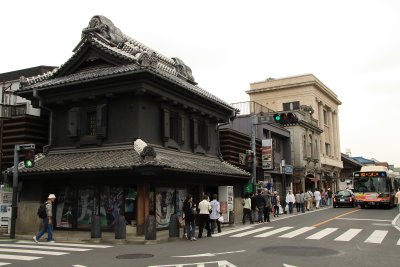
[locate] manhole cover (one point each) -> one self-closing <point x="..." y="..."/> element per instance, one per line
<point x="135" y="256"/>
<point x="300" y="251"/>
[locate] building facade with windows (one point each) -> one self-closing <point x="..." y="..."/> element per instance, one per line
<point x="320" y="140"/>
<point x="131" y="134"/>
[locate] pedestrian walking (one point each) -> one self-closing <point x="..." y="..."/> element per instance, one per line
<point x="189" y="211"/>
<point x="397" y="196"/>
<point x="302" y="201"/>
<point x="276" y="203"/>
<point x="204" y="216"/>
<point x="215" y="214"/>
<point x="290" y="200"/>
<point x="246" y="202"/>
<point x="329" y="197"/>
<point x="47" y="221"/>
<point x="298" y="199"/>
<point x="268" y="205"/>
<point x="317" y="198"/>
<point x="260" y="202"/>
<point x="309" y="196"/>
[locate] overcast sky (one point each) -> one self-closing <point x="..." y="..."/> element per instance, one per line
<point x="353" y="47"/>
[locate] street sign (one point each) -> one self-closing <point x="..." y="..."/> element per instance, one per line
<point x="265" y="119"/>
<point x="288" y="169"/>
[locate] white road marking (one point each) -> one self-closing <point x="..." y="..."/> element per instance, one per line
<point x="348" y="235"/>
<point x="222" y="263"/>
<point x="322" y="233"/>
<point x="77" y="265"/>
<point x="297" y="232"/>
<point x="17" y="257"/>
<point x="28" y="251"/>
<point x="376" y="237"/>
<point x="45" y="247"/>
<point x="252" y="231"/>
<point x="274" y="231"/>
<point x="398" y="242"/>
<point x="287" y="265"/>
<point x="64" y="244"/>
<point x="4" y="263"/>
<point x="208" y="254"/>
<point x="233" y="231"/>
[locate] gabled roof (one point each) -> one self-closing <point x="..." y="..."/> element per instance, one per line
<point x="362" y="160"/>
<point x="350" y="160"/>
<point x="129" y="157"/>
<point x="127" y="54"/>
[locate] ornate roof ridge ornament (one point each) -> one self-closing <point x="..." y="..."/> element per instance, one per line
<point x="106" y="29"/>
<point x="146" y="152"/>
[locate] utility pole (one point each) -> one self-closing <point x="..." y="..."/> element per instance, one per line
<point x="253" y="148"/>
<point x="14" y="205"/>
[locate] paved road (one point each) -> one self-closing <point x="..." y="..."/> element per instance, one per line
<point x="326" y="237"/>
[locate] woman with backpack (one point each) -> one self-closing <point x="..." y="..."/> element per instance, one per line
<point x="47" y="221"/>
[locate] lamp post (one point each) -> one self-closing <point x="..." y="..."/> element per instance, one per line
<point x="254" y="122"/>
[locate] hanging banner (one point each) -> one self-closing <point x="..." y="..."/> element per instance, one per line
<point x="266" y="154"/>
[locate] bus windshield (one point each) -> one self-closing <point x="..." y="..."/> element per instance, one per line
<point x="371" y="184"/>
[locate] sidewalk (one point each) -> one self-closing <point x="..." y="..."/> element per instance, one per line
<point x="131" y="238"/>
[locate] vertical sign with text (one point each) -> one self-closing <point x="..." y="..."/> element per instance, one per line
<point x="266" y="154"/>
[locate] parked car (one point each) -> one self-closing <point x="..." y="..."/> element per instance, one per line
<point x="344" y="198"/>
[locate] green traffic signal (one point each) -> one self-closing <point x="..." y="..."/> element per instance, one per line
<point x="29" y="158"/>
<point x="277" y="117"/>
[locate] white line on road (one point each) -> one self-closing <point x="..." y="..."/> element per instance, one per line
<point x="274" y="231"/>
<point x="208" y="254"/>
<point x="233" y="231"/>
<point x="297" y="232"/>
<point x="252" y="231"/>
<point x="4" y="263"/>
<point x="322" y="233"/>
<point x="222" y="263"/>
<point x="43" y="252"/>
<point x="64" y="244"/>
<point x="376" y="237"/>
<point x="17" y="257"/>
<point x="44" y="247"/>
<point x="77" y="265"/>
<point x="348" y="235"/>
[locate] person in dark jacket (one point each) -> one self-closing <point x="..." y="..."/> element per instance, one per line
<point x="189" y="211"/>
<point x="268" y="205"/>
<point x="260" y="203"/>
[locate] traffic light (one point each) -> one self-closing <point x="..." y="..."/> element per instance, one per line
<point x="286" y="118"/>
<point x="29" y="158"/>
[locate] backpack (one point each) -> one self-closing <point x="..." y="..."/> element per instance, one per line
<point x="42" y="211"/>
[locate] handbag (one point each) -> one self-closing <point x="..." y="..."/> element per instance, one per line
<point x="221" y="219"/>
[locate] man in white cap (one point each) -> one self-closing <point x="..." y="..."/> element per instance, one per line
<point x="47" y="221"/>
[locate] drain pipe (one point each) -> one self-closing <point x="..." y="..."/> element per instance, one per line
<point x="36" y="95"/>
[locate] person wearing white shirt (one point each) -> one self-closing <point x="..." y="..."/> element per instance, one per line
<point x="290" y="199"/>
<point x="204" y="216"/>
<point x="215" y="214"/>
<point x="317" y="198"/>
<point x="397" y="196"/>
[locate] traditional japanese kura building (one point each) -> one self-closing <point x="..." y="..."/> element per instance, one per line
<point x="131" y="133"/>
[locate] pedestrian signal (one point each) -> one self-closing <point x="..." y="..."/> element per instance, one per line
<point x="29" y="158"/>
<point x="286" y="118"/>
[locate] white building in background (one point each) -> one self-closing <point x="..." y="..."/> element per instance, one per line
<point x="319" y="150"/>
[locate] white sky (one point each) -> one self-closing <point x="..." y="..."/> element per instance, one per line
<point x="353" y="47"/>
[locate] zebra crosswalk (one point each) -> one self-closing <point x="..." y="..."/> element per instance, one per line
<point x="311" y="233"/>
<point x="11" y="252"/>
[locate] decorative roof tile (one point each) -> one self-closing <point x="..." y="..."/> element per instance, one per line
<point x="126" y="157"/>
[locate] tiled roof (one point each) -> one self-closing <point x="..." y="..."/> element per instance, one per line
<point x="136" y="56"/>
<point x="127" y="158"/>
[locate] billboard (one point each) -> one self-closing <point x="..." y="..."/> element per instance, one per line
<point x="267" y="155"/>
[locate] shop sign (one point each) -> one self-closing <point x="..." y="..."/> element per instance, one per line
<point x="266" y="154"/>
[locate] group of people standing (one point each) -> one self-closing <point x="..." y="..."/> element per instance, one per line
<point x="258" y="207"/>
<point x="208" y="216"/>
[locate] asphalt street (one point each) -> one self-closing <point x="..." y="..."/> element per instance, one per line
<point x="325" y="237"/>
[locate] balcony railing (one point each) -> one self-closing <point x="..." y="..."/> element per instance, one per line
<point x="252" y="108"/>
